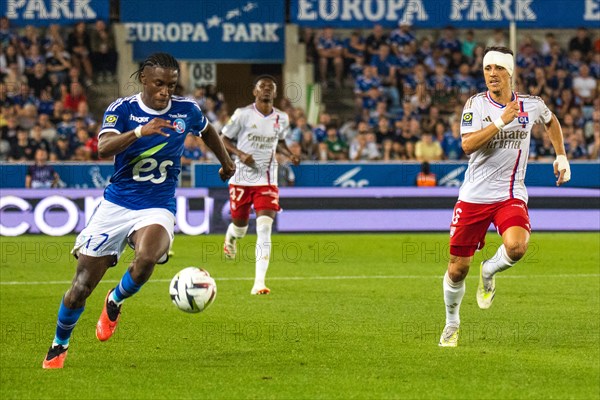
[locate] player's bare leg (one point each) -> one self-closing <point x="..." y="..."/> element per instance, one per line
<point x="515" y="241"/>
<point x="151" y="245"/>
<point x="264" y="224"/>
<point x="90" y="271"/>
<point x="235" y="231"/>
<point x="454" y="291"/>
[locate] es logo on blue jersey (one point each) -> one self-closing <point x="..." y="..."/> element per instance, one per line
<point x="179" y="125"/>
<point x="467" y="119"/>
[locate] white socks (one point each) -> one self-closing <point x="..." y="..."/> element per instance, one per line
<point x="500" y="262"/>
<point x="235" y="232"/>
<point x="263" y="249"/>
<point x="453" y="295"/>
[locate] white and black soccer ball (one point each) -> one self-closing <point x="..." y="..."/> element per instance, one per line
<point x="192" y="289"/>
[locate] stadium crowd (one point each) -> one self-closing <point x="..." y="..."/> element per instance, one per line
<point x="409" y="90"/>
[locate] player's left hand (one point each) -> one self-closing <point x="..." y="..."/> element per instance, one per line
<point x="562" y="169"/>
<point x="295" y="159"/>
<point x="227" y="171"/>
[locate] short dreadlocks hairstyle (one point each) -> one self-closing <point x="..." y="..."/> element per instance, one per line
<point x="164" y="60"/>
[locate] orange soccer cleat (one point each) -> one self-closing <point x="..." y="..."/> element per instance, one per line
<point x="55" y="357"/>
<point x="107" y="323"/>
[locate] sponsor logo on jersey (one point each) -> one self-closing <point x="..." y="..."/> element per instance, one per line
<point x="110" y="120"/>
<point x="177" y="115"/>
<point x="467" y="119"/>
<point x="488" y="119"/>
<point x="254" y="126"/>
<point x="179" y="125"/>
<point x="139" y="120"/>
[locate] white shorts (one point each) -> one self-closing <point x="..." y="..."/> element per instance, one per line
<point x="108" y="230"/>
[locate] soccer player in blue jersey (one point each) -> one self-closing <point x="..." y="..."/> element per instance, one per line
<point x="145" y="134"/>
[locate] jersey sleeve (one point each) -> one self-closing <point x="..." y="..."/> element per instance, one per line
<point x="234" y="126"/>
<point x="114" y="119"/>
<point x="470" y="120"/>
<point x="199" y="121"/>
<point x="285" y="127"/>
<point x="544" y="112"/>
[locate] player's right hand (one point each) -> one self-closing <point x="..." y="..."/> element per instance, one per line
<point x="511" y="111"/>
<point x="227" y="171"/>
<point x="248" y="160"/>
<point x="156" y="126"/>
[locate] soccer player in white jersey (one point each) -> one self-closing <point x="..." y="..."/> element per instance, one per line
<point x="145" y="134"/>
<point x="496" y="129"/>
<point x="259" y="130"/>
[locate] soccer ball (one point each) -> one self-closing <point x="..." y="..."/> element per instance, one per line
<point x="192" y="289"/>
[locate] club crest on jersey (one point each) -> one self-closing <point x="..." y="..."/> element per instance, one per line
<point x="523" y="118"/>
<point x="467" y="119"/>
<point x="179" y="125"/>
<point x="110" y="120"/>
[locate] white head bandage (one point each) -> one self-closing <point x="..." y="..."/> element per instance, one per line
<point x="502" y="59"/>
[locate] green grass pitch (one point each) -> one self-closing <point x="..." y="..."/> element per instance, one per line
<point x="350" y="316"/>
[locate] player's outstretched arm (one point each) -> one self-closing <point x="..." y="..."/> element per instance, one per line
<point x="473" y="141"/>
<point x="112" y="143"/>
<point x="214" y="142"/>
<point x="562" y="169"/>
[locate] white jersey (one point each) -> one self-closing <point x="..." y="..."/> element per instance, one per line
<point x="496" y="171"/>
<point x="258" y="135"/>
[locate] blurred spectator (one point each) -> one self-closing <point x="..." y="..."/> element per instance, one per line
<point x="545" y="150"/>
<point x="62" y="149"/>
<point x="23" y="149"/>
<point x="41" y="175"/>
<point x="354" y="49"/>
<point x="48" y="129"/>
<point x="401" y="37"/>
<point x="426" y="178"/>
<point x="6" y="36"/>
<point x="363" y="147"/>
<point x="375" y="39"/>
<point x="309" y="39"/>
<point x="104" y="55"/>
<point x="330" y="50"/>
<point x="309" y="146"/>
<point x="38" y="80"/>
<point x="53" y="36"/>
<point x="58" y="62"/>
<point x="191" y="153"/>
<point x="581" y="42"/>
<point x="8" y="132"/>
<point x="333" y="147"/>
<point x="9" y="56"/>
<point x="386" y="65"/>
<point x="427" y="149"/>
<point x="498" y="38"/>
<point x="74" y="97"/>
<point x="448" y="43"/>
<point x="37" y="139"/>
<point x="452" y="142"/>
<point x="320" y="131"/>
<point x="575" y="145"/>
<point x="296" y="132"/>
<point x="584" y="86"/>
<point x="468" y="44"/>
<point x="546" y="46"/>
<point x="78" y="44"/>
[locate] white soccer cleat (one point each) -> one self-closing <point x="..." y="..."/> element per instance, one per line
<point x="486" y="290"/>
<point x="449" y="336"/>
<point x="230" y="249"/>
<point x="260" y="291"/>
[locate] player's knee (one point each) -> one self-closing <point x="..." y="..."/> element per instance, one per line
<point x="458" y="268"/>
<point x="145" y="260"/>
<point x="515" y="250"/>
<point x="78" y="293"/>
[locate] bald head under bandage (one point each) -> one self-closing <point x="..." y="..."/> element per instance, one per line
<point x="502" y="59"/>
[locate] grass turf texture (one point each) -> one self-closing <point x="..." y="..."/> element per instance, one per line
<point x="350" y="316"/>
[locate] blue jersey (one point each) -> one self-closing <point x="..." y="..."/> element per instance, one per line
<point x="147" y="171"/>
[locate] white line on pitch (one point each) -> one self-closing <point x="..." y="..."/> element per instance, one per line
<point x="321" y="278"/>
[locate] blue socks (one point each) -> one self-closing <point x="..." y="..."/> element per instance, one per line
<point x="126" y="288"/>
<point x="67" y="318"/>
